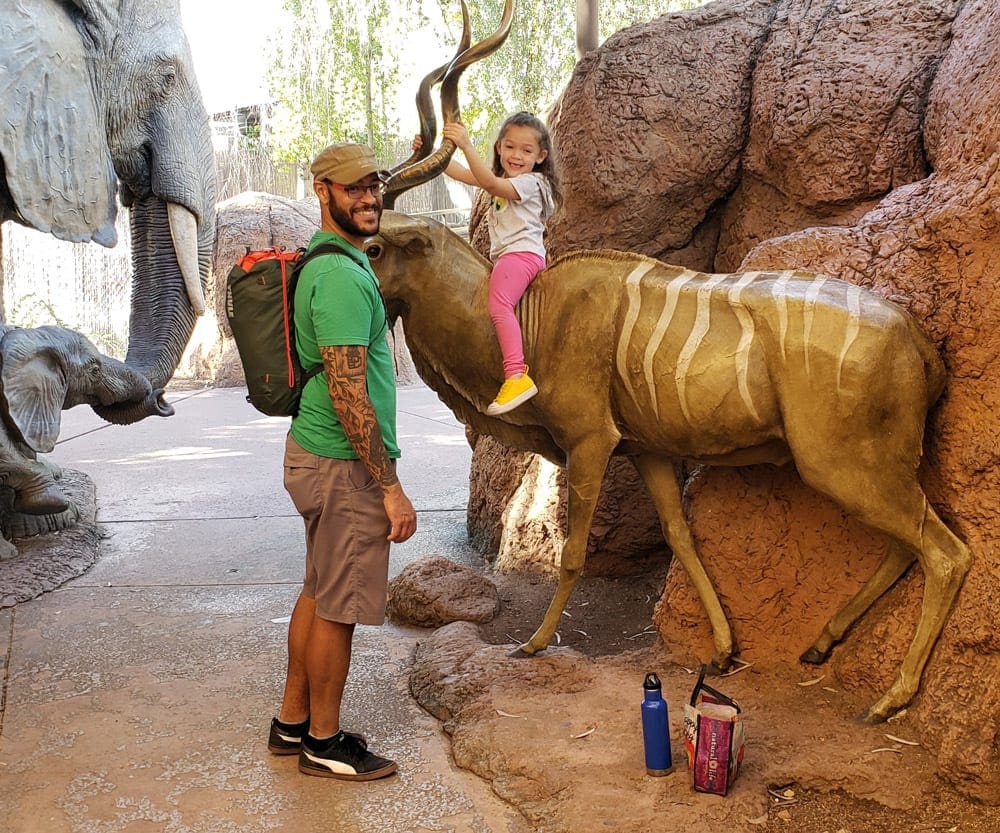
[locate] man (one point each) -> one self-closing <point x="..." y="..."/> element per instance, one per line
<point x="340" y="470"/>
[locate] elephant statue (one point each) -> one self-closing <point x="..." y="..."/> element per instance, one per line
<point x="101" y="104"/>
<point x="43" y="371"/>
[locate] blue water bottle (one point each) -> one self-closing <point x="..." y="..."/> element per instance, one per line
<point x="655" y="727"/>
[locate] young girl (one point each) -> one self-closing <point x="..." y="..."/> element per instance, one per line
<point x="525" y="190"/>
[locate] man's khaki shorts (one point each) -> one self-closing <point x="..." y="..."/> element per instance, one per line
<point x="347" y="554"/>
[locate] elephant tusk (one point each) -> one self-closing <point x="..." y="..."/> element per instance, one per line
<point x="184" y="233"/>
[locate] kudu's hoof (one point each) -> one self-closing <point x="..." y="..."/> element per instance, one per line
<point x="885" y="708"/>
<point x="871" y="717"/>
<point x="716" y="668"/>
<point x="523" y="652"/>
<point x="814" y="656"/>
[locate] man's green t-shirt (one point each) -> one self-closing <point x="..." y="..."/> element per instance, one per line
<point x="337" y="303"/>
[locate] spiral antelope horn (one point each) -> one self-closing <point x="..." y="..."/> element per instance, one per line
<point x="425" y="107"/>
<point x="433" y="164"/>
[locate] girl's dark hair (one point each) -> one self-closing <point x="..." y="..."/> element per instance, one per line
<point x="547" y="167"/>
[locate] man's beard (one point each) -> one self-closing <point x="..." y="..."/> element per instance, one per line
<point x="346" y="221"/>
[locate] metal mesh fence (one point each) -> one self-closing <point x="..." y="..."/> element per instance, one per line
<point x="82" y="286"/>
<point x="241" y="168"/>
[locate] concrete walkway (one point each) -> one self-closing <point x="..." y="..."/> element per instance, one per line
<point x="136" y="698"/>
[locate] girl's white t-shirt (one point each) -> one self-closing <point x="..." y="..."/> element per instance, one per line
<point x="518" y="225"/>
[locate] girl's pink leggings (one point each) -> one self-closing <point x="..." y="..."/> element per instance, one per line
<point x="512" y="275"/>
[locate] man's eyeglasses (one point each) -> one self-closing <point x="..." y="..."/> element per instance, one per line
<point x="356" y="192"/>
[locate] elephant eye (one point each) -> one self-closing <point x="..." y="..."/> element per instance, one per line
<point x="168" y="79"/>
<point x="374" y="251"/>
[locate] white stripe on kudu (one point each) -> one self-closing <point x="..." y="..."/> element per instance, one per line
<point x="702" y="321"/>
<point x="747" y="331"/>
<point x="808" y="315"/>
<point x="673" y="290"/>
<point x="528" y="312"/>
<point x="631" y="316"/>
<point x="853" y="326"/>
<point x="781" y="302"/>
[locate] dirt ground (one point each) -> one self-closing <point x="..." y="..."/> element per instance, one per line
<point x="608" y="621"/>
<point x="605" y="615"/>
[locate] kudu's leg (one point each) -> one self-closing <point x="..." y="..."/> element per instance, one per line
<point x="894" y="503"/>
<point x="896" y="562"/>
<point x="945" y="560"/>
<point x="586" y="464"/>
<point x="660" y="478"/>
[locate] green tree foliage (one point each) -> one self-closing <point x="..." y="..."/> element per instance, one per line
<point x="335" y="71"/>
<point x="616" y="15"/>
<point x="339" y="65"/>
<point x="527" y="72"/>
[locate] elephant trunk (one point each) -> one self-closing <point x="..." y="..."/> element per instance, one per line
<point x="165" y="285"/>
<point x="125" y="413"/>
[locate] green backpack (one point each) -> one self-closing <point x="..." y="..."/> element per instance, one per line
<point x="260" y="291"/>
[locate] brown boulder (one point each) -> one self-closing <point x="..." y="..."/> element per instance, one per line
<point x="675" y="96"/>
<point x="932" y="246"/>
<point x="835" y="118"/>
<point x="433" y="591"/>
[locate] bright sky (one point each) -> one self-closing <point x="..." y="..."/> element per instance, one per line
<point x="227" y="40"/>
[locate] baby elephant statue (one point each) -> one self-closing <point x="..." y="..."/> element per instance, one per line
<point x="45" y="370"/>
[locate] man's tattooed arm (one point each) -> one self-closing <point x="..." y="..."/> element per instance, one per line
<point x="345" y="373"/>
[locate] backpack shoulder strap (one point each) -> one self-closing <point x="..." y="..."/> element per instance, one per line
<point x="335" y="249"/>
<point x="315" y="370"/>
<point x="326" y="249"/>
<point x="305" y="257"/>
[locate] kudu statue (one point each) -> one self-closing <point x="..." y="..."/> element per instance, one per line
<point x="659" y="363"/>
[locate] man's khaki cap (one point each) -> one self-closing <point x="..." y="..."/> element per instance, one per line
<point x="345" y="163"/>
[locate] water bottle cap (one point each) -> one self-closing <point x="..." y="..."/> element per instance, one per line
<point x="651" y="682"/>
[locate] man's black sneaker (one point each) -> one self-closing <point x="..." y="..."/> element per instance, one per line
<point x="343" y="756"/>
<point x="286" y="738"/>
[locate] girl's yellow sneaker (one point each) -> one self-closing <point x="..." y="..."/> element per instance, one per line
<point x="515" y="391"/>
